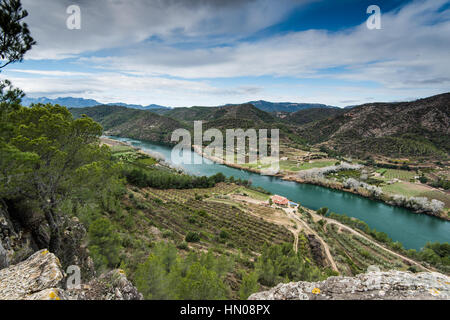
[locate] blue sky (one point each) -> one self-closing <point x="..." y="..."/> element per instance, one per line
<point x="196" y="52"/>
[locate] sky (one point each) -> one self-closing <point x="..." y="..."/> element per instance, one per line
<point x="182" y="53"/>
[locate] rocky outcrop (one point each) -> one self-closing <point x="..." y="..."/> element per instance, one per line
<point x="392" y="285"/>
<point x="41" y="277"/>
<point x="38" y="275"/>
<point x="113" y="285"/>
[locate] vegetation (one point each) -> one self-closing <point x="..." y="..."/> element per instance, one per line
<point x="280" y="263"/>
<point x="168" y="180"/>
<point x="167" y="275"/>
<point x="16" y="39"/>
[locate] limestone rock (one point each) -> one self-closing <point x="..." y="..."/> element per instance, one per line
<point x="4" y="259"/>
<point x="41" y="277"/>
<point x="112" y="285"/>
<point x="39" y="272"/>
<point x="391" y="285"/>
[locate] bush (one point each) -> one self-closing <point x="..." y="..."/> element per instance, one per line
<point x="104" y="243"/>
<point x="192" y="237"/>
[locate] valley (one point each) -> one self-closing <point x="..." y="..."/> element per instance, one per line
<point x="236" y="220"/>
<point x="415" y="178"/>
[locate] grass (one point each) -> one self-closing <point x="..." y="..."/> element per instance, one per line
<point x="399" y="174"/>
<point x="121" y="149"/>
<point x="147" y="161"/>
<point x="254" y="194"/>
<point x="405" y="189"/>
<point x="292" y="165"/>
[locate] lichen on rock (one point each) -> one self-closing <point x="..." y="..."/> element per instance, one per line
<point x="41" y="277"/>
<point x="391" y="285"/>
<point x="39" y="272"/>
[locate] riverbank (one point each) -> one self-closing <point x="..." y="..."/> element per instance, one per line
<point x="327" y="184"/>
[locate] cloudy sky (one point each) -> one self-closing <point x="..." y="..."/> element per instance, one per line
<point x="211" y="52"/>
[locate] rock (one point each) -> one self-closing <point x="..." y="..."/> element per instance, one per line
<point x="373" y="268"/>
<point x="112" y="285"/>
<point x="391" y="285"/>
<point x="41" y="277"/>
<point x="39" y="272"/>
<point x="4" y="259"/>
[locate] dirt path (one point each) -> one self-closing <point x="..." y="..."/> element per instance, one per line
<point x="308" y="229"/>
<point x="343" y="226"/>
<point x="303" y="225"/>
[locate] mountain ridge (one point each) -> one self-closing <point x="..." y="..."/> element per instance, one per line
<point x="71" y="102"/>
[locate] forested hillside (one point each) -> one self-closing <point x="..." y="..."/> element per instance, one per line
<point x="418" y="129"/>
<point x="132" y="123"/>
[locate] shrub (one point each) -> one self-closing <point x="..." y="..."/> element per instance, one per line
<point x="192" y="237"/>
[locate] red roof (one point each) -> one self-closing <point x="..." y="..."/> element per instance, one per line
<point x="280" y="200"/>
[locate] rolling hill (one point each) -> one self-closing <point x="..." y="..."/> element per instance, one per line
<point x="419" y="128"/>
<point x="131" y="123"/>
<point x="305" y="116"/>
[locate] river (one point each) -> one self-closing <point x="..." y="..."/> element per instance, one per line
<point x="412" y="230"/>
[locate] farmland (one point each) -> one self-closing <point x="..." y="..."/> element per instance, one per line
<point x="182" y="211"/>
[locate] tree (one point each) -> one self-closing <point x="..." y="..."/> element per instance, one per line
<point x="249" y="285"/>
<point x="200" y="283"/>
<point x="104" y="243"/>
<point x="15" y="39"/>
<point x="69" y="160"/>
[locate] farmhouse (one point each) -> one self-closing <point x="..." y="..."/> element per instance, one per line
<point x="280" y="201"/>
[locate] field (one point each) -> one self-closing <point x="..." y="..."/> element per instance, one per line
<point x="354" y="254"/>
<point x="398" y="174"/>
<point x="220" y="224"/>
<point x="405" y="188"/>
<point x="290" y="165"/>
<point x="254" y="194"/>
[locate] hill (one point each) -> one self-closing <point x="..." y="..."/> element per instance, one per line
<point x="313" y="114"/>
<point x="132" y="123"/>
<point x="418" y="128"/>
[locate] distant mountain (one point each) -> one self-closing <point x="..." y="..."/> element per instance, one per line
<point x="286" y="106"/>
<point x="137" y="106"/>
<point x="70" y="102"/>
<point x="67" y="101"/>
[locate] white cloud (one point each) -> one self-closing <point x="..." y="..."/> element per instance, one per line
<point x="109" y="24"/>
<point x="407" y="58"/>
<point x="408" y="51"/>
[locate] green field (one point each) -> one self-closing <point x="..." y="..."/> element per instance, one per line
<point x="399" y="174"/>
<point x="254" y="194"/>
<point x="121" y="149"/>
<point x="404" y="189"/>
<point x="292" y="165"/>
